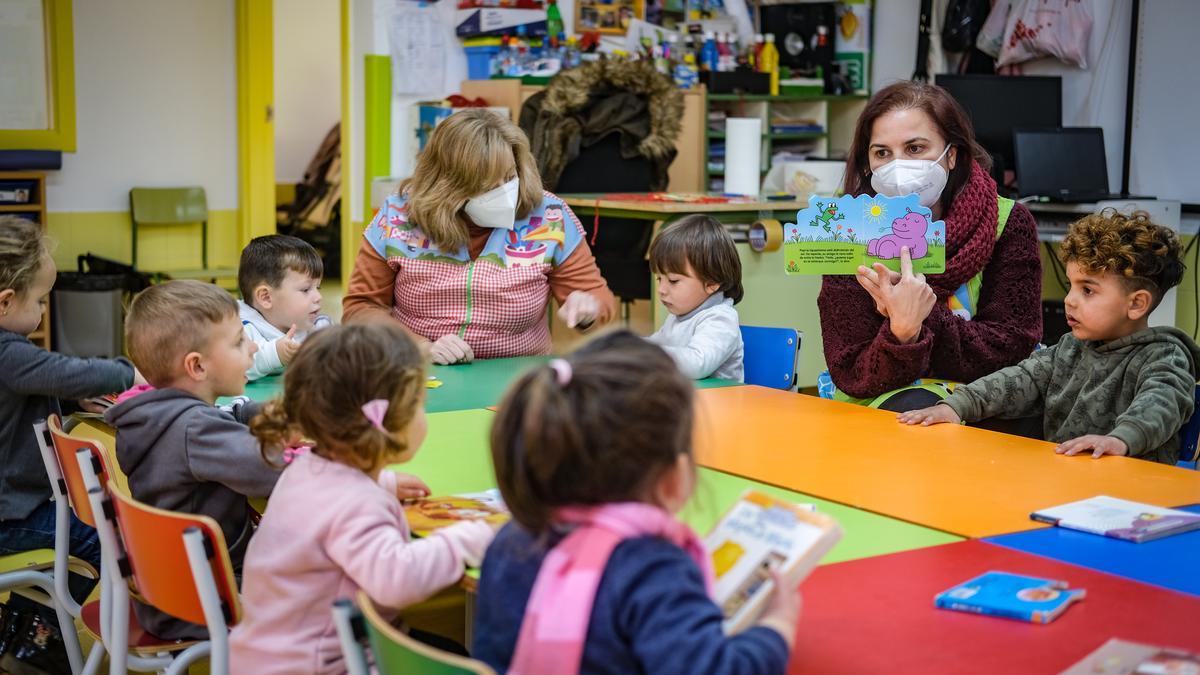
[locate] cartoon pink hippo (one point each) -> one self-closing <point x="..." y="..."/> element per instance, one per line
<point x="907" y="230"/>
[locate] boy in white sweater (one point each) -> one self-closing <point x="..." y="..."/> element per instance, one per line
<point x="280" y="280"/>
<point x="699" y="279"/>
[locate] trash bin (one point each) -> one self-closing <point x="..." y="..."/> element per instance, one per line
<point x="87" y="307"/>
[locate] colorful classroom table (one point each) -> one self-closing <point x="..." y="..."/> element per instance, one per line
<point x="455" y="458"/>
<point x="465" y="386"/>
<point x="1171" y="562"/>
<point x="965" y="481"/>
<point x="876" y="615"/>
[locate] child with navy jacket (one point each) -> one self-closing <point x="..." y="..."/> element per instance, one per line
<point x="602" y="504"/>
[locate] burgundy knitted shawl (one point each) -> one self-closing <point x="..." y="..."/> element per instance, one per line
<point x="970" y="233"/>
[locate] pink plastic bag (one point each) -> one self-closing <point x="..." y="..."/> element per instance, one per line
<point x="1057" y="28"/>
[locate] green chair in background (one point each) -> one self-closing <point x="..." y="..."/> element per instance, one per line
<point x="175" y="207"/>
<point x="393" y="651"/>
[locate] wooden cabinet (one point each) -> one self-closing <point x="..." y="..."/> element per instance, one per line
<point x="31" y="205"/>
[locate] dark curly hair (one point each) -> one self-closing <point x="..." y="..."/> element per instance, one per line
<point x="1145" y="255"/>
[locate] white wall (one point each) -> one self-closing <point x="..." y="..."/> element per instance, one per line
<point x="307" y="81"/>
<point x="155" y="103"/>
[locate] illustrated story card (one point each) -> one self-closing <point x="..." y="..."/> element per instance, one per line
<point x="836" y="235"/>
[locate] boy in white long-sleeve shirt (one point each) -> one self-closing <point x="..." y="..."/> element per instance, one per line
<point x="280" y="280"/>
<point x="699" y="277"/>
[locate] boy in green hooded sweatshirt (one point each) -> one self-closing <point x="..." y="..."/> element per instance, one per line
<point x="1113" y="385"/>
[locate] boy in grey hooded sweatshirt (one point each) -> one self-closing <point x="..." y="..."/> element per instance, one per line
<point x="179" y="450"/>
<point x="1113" y="385"/>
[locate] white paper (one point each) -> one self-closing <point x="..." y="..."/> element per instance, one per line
<point x="418" y="41"/>
<point x="743" y="155"/>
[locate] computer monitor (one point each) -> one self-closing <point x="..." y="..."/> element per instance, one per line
<point x="997" y="104"/>
<point x="1062" y="164"/>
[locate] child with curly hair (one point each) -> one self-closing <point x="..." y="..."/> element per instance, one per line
<point x="1113" y="385"/>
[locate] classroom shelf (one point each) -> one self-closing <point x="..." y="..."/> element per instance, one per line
<point x="37" y="207"/>
<point x="786" y="98"/>
<point x="782" y="136"/>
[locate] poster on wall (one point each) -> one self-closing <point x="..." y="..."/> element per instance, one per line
<point x="609" y="17"/>
<point x="418" y="42"/>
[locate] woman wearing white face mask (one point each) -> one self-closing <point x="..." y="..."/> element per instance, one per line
<point x="887" y="335"/>
<point x="469" y="251"/>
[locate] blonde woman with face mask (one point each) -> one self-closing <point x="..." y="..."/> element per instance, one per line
<point x="889" y="338"/>
<point x="468" y="252"/>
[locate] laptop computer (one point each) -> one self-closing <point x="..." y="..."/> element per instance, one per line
<point x="1062" y="164"/>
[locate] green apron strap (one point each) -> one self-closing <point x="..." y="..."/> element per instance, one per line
<point x="1005" y="207"/>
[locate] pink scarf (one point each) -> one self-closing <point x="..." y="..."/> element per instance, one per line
<point x="560" y="606"/>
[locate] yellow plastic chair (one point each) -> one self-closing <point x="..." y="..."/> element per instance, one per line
<point x="175" y="207"/>
<point x="393" y="651"/>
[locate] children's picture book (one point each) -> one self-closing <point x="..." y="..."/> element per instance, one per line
<point x="432" y="513"/>
<point x="1119" y="519"/>
<point x="758" y="534"/>
<point x="836" y="235"/>
<point x="1120" y="657"/>
<point x="1010" y="596"/>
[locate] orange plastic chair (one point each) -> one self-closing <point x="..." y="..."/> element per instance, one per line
<point x="179" y="563"/>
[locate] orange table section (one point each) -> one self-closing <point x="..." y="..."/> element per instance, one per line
<point x="969" y="482"/>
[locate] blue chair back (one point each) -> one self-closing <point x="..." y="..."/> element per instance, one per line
<point x="771" y="355"/>
<point x="1188" y="436"/>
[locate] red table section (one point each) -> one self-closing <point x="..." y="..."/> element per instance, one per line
<point x="876" y="615"/>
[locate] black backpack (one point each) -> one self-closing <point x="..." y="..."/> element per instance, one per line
<point x="964" y="19"/>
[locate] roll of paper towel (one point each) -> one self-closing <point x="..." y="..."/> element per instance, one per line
<point x="743" y="155"/>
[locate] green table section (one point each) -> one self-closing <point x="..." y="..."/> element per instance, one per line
<point x="466" y="386"/>
<point x="455" y="459"/>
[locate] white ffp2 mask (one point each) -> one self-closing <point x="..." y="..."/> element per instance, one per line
<point x="923" y="177"/>
<point x="495" y="208"/>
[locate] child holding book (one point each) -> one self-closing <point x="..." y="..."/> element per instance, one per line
<point x="334" y="524"/>
<point x="699" y="278"/>
<point x="1113" y="385"/>
<point x="180" y="451"/>
<point x="602" y="504"/>
<point x="279" y="278"/>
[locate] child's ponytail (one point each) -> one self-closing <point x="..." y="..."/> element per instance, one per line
<point x="273" y="431"/>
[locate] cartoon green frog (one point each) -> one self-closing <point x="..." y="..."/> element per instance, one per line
<point x="826" y="215"/>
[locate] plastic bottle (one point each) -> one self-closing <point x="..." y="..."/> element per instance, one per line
<point x="756" y="51"/>
<point x="768" y="62"/>
<point x="709" y="57"/>
<point x="724" y="53"/>
<point x="554" y="22"/>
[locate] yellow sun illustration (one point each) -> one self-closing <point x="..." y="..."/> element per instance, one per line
<point x="874" y="212"/>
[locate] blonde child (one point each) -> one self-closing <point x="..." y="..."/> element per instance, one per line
<point x="1113" y="385"/>
<point x="334" y="524"/>
<point x="179" y="450"/>
<point x="279" y="278"/>
<point x="699" y="280"/>
<point x="34" y="381"/>
<point x="593" y="457"/>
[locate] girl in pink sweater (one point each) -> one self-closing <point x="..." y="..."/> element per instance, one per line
<point x="334" y="524"/>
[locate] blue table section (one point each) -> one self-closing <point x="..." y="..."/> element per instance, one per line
<point x="1170" y="562"/>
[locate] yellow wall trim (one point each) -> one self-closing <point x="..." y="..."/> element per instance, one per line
<point x="107" y="233"/>
<point x="60" y="66"/>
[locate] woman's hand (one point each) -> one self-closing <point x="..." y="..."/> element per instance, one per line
<point x="450" y="349"/>
<point x="904" y="299"/>
<point x="580" y="310"/>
